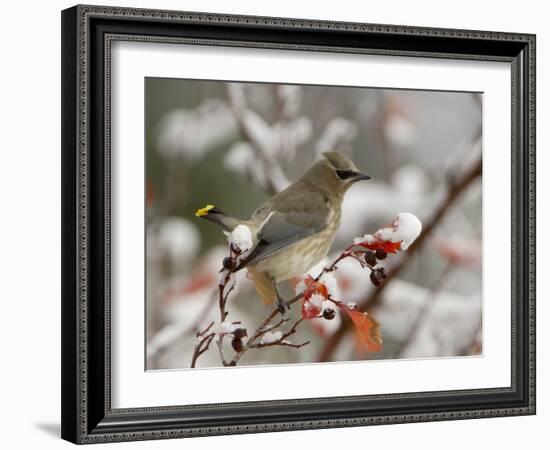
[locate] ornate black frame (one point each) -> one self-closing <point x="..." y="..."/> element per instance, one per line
<point x="87" y="32"/>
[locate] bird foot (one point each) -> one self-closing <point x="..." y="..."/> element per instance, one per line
<point x="281" y="306"/>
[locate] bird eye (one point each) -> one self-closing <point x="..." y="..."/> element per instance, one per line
<point x="345" y="174"/>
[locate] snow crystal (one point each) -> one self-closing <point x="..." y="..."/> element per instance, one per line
<point x="406" y="228"/>
<point x="367" y="238"/>
<point x="327" y="279"/>
<point x="331" y="284"/>
<point x="385" y="234"/>
<point x="271" y="337"/>
<point x="316" y="300"/>
<point x="300" y="287"/>
<point x="316" y="270"/>
<point x="327" y="304"/>
<point x="225" y="328"/>
<point x="241" y="237"/>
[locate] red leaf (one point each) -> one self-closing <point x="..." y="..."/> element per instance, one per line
<point x="314" y="287"/>
<point x="387" y="246"/>
<point x="310" y="310"/>
<point x="367" y="329"/>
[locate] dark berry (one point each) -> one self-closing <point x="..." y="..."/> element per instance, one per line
<point x="375" y="277"/>
<point x="370" y="259"/>
<point x="383" y="273"/>
<point x="329" y="314"/>
<point x="380" y="254"/>
<point x="239" y="333"/>
<point x="237" y="345"/>
<point x="228" y="263"/>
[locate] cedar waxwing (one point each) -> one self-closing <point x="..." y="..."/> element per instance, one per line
<point x="293" y="231"/>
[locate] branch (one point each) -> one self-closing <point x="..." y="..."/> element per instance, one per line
<point x="222" y="301"/>
<point x="457" y="187"/>
<point x="367" y="251"/>
<point x="264" y="328"/>
<point x="203" y="343"/>
<point x="283" y="339"/>
<point x="351" y="252"/>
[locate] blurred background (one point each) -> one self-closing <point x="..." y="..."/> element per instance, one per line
<point x="236" y="144"/>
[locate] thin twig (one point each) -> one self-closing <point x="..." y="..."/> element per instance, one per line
<point x="281" y="343"/>
<point x="353" y="251"/>
<point x="456" y="189"/>
<point x="264" y="326"/>
<point x="203" y="344"/>
<point x="222" y="300"/>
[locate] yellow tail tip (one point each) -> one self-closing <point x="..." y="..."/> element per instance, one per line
<point x="203" y="211"/>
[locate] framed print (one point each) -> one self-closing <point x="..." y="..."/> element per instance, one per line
<point x="281" y="224"/>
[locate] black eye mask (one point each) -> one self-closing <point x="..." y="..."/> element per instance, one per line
<point x="346" y="174"/>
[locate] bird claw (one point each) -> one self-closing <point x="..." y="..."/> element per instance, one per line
<point x="281" y="306"/>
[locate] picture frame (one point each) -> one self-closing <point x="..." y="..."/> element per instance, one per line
<point x="88" y="33"/>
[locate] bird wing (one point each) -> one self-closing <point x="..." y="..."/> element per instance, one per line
<point x="300" y="217"/>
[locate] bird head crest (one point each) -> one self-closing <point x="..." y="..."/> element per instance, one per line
<point x="339" y="161"/>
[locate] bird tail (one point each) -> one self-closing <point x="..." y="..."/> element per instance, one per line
<point x="215" y="215"/>
<point x="263" y="285"/>
<point x="262" y="282"/>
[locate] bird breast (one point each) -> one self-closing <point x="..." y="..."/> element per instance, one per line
<point x="301" y="256"/>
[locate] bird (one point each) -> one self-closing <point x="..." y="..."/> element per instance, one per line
<point x="293" y="230"/>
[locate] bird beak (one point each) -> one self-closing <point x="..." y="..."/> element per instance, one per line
<point x="361" y="176"/>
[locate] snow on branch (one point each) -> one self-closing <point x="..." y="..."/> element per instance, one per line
<point x="459" y="180"/>
<point x="320" y="295"/>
